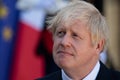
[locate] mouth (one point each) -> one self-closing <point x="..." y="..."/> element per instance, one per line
<point x="64" y="53"/>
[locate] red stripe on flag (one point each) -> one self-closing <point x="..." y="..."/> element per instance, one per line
<point x="28" y="65"/>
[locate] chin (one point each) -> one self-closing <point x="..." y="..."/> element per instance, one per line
<point x="65" y="65"/>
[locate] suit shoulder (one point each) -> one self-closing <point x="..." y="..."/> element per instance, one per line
<point x="115" y="74"/>
<point x="52" y="76"/>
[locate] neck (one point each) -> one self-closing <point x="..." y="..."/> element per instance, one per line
<point x="80" y="73"/>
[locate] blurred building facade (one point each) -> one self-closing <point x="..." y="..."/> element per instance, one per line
<point x="112" y="11"/>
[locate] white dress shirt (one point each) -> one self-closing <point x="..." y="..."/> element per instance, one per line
<point x="91" y="76"/>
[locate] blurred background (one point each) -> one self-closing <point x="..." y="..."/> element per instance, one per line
<point x="26" y="44"/>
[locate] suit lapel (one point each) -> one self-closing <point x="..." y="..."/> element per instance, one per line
<point x="57" y="75"/>
<point x="104" y="73"/>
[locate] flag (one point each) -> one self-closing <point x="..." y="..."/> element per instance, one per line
<point x="8" y="28"/>
<point x="28" y="65"/>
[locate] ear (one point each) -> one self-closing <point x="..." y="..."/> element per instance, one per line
<point x="100" y="45"/>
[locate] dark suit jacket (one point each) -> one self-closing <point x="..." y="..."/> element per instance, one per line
<point x="104" y="74"/>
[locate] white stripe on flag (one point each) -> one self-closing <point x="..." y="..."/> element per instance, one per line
<point x="35" y="18"/>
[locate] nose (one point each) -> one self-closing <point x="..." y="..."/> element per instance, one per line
<point x="66" y="41"/>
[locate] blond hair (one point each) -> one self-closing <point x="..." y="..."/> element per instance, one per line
<point x="82" y="11"/>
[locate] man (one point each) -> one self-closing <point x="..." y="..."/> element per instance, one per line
<point x="80" y="34"/>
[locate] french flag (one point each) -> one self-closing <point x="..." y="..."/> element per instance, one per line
<point x="27" y="64"/>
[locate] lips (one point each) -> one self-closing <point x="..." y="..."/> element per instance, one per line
<point x="64" y="53"/>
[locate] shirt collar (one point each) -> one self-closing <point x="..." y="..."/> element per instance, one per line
<point x="91" y="76"/>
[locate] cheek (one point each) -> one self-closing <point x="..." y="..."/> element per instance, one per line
<point x="55" y="45"/>
<point x="54" y="48"/>
<point x="85" y="52"/>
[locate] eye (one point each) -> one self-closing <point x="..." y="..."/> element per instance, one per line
<point x="60" y="33"/>
<point x="74" y="35"/>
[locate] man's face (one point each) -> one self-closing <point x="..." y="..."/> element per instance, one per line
<point x="73" y="46"/>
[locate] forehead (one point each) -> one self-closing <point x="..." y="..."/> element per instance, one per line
<point x="76" y="25"/>
<point x="72" y="24"/>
